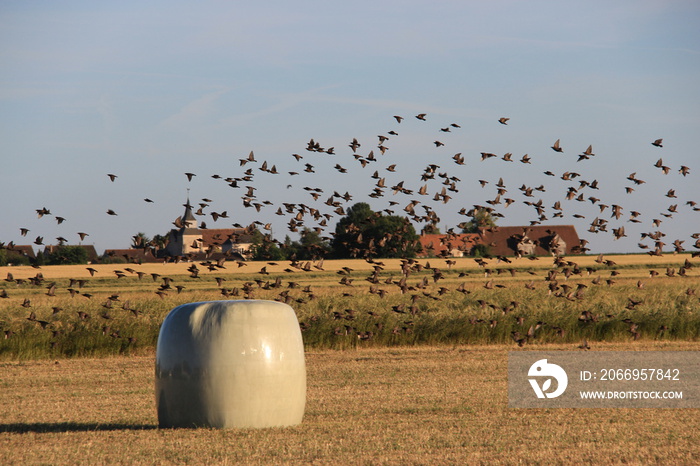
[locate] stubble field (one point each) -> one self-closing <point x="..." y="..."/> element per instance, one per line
<point x="421" y="405"/>
<point x="413" y="374"/>
<point x="67" y="311"/>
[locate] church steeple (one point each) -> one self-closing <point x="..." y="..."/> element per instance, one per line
<point x="188" y="220"/>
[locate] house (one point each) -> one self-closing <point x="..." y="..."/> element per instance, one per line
<point x="448" y="245"/>
<point x="92" y="256"/>
<point x="539" y="240"/>
<point x="23" y="250"/>
<point x="134" y="256"/>
<point x="191" y="239"/>
<point x="18" y="254"/>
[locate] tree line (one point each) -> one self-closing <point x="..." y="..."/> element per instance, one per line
<point x="361" y="233"/>
<point x="59" y="255"/>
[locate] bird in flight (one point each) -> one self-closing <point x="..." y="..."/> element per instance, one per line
<point x="251" y="158"/>
<point x="556" y="147"/>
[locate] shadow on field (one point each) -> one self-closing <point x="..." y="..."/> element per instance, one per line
<point x="45" y="427"/>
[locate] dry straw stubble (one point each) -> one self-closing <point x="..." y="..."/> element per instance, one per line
<point x="368" y="406"/>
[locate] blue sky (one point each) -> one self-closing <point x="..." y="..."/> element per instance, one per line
<point x="149" y="91"/>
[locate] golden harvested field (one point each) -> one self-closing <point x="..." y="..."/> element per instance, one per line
<point x="66" y="311"/>
<point x="428" y="387"/>
<point x="424" y="405"/>
<point x="107" y="270"/>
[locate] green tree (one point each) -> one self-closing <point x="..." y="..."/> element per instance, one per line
<point x="431" y="229"/>
<point x="365" y="233"/>
<point x="265" y="248"/>
<point x="480" y="218"/>
<point x="40" y="259"/>
<point x="140" y="241"/>
<point x="160" y="241"/>
<point x="481" y="250"/>
<point x="107" y="259"/>
<point x="8" y="256"/>
<point x="311" y="246"/>
<point x="61" y="255"/>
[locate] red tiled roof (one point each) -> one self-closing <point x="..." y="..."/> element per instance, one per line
<point x="444" y="244"/>
<point x="139" y="255"/>
<point x="218" y="236"/>
<point x="503" y="241"/>
<point x="24" y="249"/>
<point x="89" y="248"/>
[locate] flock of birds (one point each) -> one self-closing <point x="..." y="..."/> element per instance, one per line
<point x="421" y="199"/>
<point x="418" y="282"/>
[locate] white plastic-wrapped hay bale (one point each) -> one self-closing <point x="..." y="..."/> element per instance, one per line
<point x="230" y="364"/>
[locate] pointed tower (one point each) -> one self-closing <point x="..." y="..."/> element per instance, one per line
<point x="188" y="220"/>
<point x="187" y="238"/>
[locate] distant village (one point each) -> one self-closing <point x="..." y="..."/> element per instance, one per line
<point x="192" y="241"/>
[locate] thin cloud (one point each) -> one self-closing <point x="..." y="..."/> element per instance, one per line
<point x="195" y="111"/>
